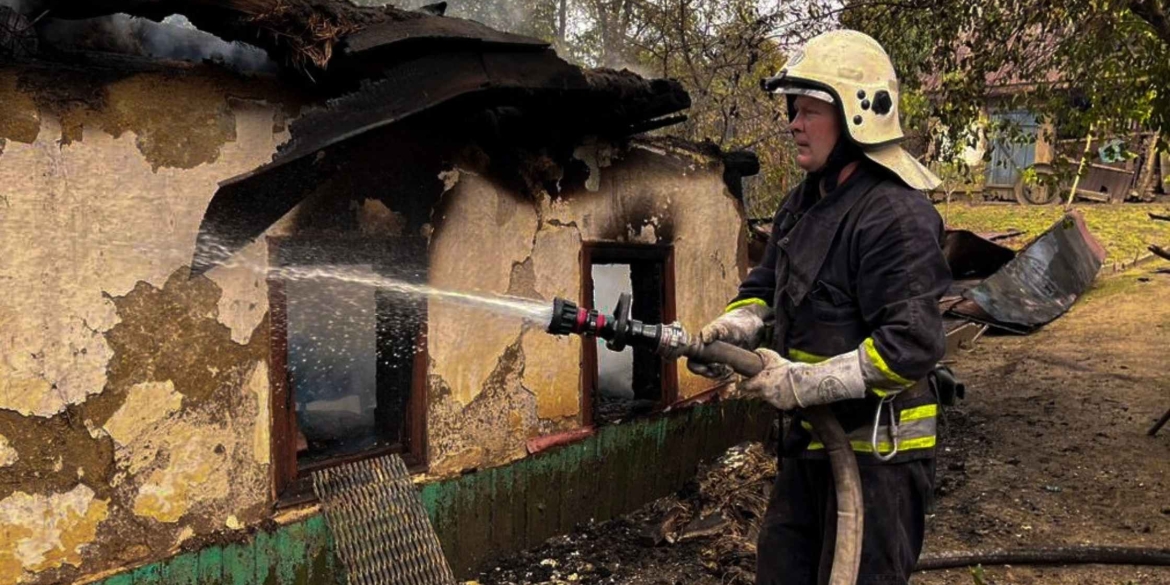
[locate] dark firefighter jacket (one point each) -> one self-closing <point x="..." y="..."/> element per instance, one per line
<point x="862" y="267"/>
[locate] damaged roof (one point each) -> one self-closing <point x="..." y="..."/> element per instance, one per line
<point x="1040" y="283"/>
<point x="374" y="67"/>
<point x="371" y="68"/>
<point x="520" y="93"/>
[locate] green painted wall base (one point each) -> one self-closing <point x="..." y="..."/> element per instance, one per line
<point x="484" y="515"/>
<point x="296" y="554"/>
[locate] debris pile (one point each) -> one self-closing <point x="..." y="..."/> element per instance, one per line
<point x="724" y="507"/>
<point x="705" y="533"/>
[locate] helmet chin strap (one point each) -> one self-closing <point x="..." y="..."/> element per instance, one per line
<point x="843" y="153"/>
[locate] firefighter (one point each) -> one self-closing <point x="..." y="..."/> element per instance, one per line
<point x="844" y="304"/>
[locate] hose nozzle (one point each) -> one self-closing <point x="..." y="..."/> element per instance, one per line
<point x="618" y="330"/>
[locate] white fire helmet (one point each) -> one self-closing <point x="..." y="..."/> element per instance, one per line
<point x="851" y="70"/>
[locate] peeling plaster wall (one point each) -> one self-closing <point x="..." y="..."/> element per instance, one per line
<point x="134" y="403"/>
<point x="45" y="531"/>
<point x="84" y="221"/>
<point x="154" y="387"/>
<point x="8" y="455"/>
<point x="479" y="409"/>
<point x="486" y="231"/>
<point x="652" y="195"/>
<point x="495" y="383"/>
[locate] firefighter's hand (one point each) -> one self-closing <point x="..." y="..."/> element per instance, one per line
<point x="774" y="382"/>
<point x="715" y="371"/>
<point x="742" y="326"/>
<point x="788" y="385"/>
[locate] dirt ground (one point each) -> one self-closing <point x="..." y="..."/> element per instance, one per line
<point x="1049" y="448"/>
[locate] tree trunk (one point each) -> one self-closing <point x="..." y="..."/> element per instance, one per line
<point x="562" y="16"/>
<point x="1149" y="166"/>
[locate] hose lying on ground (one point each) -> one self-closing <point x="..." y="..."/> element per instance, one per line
<point x="1058" y="555"/>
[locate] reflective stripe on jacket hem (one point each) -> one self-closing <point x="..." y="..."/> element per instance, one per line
<point x="917" y="429"/>
<point x="884" y="447"/>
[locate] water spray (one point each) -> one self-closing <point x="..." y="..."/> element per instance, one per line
<point x="671" y="341"/>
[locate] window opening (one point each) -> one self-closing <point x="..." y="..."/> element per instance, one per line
<point x="332" y="366"/>
<point x="348" y="355"/>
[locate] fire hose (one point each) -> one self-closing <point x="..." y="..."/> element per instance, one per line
<point x="1059" y="555"/>
<point x="672" y="341"/>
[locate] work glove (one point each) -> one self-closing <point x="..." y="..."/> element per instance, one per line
<point x="743" y="327"/>
<point x="789" y="385"/>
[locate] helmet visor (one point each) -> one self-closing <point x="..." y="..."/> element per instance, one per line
<point x="793" y="90"/>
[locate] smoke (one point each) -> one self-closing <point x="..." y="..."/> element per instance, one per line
<point x="18" y="5"/>
<point x="507" y="15"/>
<point x="637" y="68"/>
<point x="175" y="38"/>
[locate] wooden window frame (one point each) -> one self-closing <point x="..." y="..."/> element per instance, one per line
<point x="291" y="484"/>
<point x="619" y="253"/>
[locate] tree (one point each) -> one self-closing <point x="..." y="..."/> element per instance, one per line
<point x="1080" y="64"/>
<point x="719" y="50"/>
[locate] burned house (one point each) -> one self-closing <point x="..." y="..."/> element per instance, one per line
<point x="194" y="292"/>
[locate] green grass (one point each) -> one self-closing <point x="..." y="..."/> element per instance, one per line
<point x="1122" y="282"/>
<point x="978" y="576"/>
<point x="1123" y="229"/>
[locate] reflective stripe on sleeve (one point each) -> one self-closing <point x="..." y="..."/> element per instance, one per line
<point x="805" y="357"/>
<point x="880" y="363"/>
<point x="744" y="303"/>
